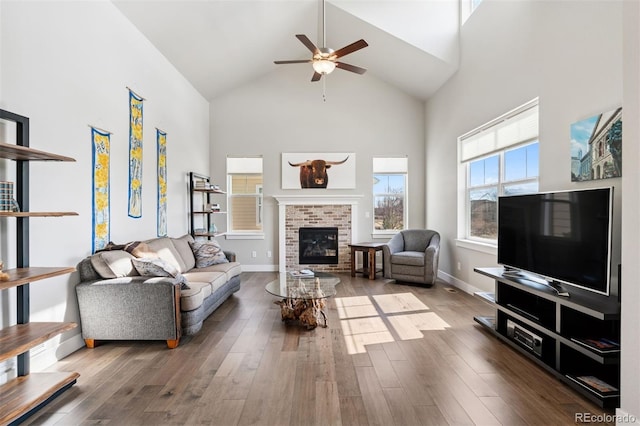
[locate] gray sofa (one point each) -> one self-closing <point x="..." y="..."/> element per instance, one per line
<point x="412" y="255"/>
<point x="116" y="303"/>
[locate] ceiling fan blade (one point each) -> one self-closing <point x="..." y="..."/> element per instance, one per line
<point x="357" y="45"/>
<point x="351" y="68"/>
<point x="305" y="40"/>
<point x="316" y="76"/>
<point x="301" y="61"/>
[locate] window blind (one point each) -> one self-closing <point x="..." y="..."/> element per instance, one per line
<point x="515" y="127"/>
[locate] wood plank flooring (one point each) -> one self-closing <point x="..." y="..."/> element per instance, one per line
<point x="247" y="367"/>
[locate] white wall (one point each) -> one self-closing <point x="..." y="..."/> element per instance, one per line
<point x="285" y="112"/>
<point x="630" y="367"/>
<point x="507" y="60"/>
<point x="571" y="55"/>
<point x="66" y="66"/>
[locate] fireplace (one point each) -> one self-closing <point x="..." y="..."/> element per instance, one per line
<point x="317" y="210"/>
<point x="318" y="246"/>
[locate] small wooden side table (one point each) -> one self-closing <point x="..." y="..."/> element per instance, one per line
<point x="368" y="259"/>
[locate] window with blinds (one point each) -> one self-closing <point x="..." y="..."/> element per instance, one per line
<point x="498" y="158"/>
<point x="244" y="195"/>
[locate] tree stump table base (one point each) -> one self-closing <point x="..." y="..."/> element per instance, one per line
<point x="308" y="312"/>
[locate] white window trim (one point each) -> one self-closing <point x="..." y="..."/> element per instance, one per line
<point x="478" y="244"/>
<point x="396" y="169"/>
<point x="248" y="165"/>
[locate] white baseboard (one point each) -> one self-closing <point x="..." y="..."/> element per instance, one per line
<point x="259" y="268"/>
<point x="456" y="282"/>
<point x="55" y="351"/>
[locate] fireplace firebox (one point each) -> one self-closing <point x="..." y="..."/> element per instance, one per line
<point x="318" y="245"/>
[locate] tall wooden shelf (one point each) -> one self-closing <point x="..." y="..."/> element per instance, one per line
<point x="28" y="392"/>
<point x="200" y="218"/>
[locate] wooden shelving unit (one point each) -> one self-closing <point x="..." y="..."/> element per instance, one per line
<point x="28" y="392"/>
<point x="198" y="198"/>
<point x="525" y="308"/>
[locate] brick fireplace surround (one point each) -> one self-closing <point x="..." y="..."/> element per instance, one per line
<point x="320" y="210"/>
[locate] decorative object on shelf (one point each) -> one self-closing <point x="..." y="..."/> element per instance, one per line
<point x="596" y="147"/>
<point x="161" y="138"/>
<point x="310" y="170"/>
<point x="101" y="188"/>
<point x="3" y="275"/>
<point x="213" y="229"/>
<point x="6" y="196"/>
<point x="135" y="154"/>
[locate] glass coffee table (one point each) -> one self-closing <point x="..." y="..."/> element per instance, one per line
<point x="303" y="297"/>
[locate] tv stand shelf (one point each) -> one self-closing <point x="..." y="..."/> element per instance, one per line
<point x="557" y="332"/>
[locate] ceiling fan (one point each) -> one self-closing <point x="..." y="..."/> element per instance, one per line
<point x="324" y="59"/>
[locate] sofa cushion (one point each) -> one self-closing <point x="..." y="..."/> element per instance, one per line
<point x="207" y="253"/>
<point x="165" y="250"/>
<point x="156" y="267"/>
<point x="113" y="264"/>
<point x="231" y="269"/>
<point x="184" y="249"/>
<point x="193" y="297"/>
<point x="215" y="278"/>
<point x="411" y="258"/>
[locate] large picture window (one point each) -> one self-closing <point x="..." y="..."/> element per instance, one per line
<point x="244" y="196"/>
<point x="389" y="194"/>
<point x="499" y="158"/>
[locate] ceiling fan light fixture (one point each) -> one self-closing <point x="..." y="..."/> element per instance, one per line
<point x="323" y="66"/>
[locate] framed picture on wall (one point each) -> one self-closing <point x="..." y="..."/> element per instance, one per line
<point x="596" y="147"/>
<point x="319" y="170"/>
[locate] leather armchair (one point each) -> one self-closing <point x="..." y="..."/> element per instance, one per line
<point x="412" y="255"/>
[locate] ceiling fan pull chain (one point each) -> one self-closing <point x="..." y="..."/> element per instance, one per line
<point x="324" y="90"/>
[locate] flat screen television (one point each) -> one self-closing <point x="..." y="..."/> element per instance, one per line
<point x="564" y="237"/>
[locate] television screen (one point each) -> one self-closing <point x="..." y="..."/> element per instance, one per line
<point x="563" y="236"/>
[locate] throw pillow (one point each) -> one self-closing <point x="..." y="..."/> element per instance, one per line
<point x="207" y="253"/>
<point x="113" y="264"/>
<point x="155" y="267"/>
<point x="136" y="248"/>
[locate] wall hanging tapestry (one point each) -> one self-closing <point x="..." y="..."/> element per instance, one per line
<point x="596" y="147"/>
<point x="319" y="170"/>
<point x="135" y="154"/>
<point x="161" y="138"/>
<point x="101" y="192"/>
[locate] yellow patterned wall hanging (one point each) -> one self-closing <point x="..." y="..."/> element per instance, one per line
<point x="101" y="190"/>
<point x="135" y="155"/>
<point x="161" y="138"/>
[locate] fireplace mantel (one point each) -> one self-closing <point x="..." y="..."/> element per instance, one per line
<point x="311" y="200"/>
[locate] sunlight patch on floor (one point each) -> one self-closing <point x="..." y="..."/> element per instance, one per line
<point x="399" y="302"/>
<point x="362" y="325"/>
<point x="411" y="326"/>
<point x="354" y="307"/>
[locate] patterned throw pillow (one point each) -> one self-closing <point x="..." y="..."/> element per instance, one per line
<point x="155" y="267"/>
<point x="135" y="248"/>
<point x="207" y="253"/>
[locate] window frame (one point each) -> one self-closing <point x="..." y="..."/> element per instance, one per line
<point x="398" y="170"/>
<point x="252" y="168"/>
<point x="500" y="185"/>
<point x="488" y="141"/>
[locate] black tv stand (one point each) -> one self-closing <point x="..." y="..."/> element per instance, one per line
<point x="565" y="336"/>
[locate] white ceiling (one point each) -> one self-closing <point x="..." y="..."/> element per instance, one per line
<point x="219" y="45"/>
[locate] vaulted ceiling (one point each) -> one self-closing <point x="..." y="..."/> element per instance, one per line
<point x="219" y="45"/>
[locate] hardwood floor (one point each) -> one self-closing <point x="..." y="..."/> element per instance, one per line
<point x="431" y="365"/>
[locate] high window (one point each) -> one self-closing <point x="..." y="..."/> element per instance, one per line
<point x="244" y="197"/>
<point x="389" y="194"/>
<point x="499" y="158"/>
<point x="466" y="9"/>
